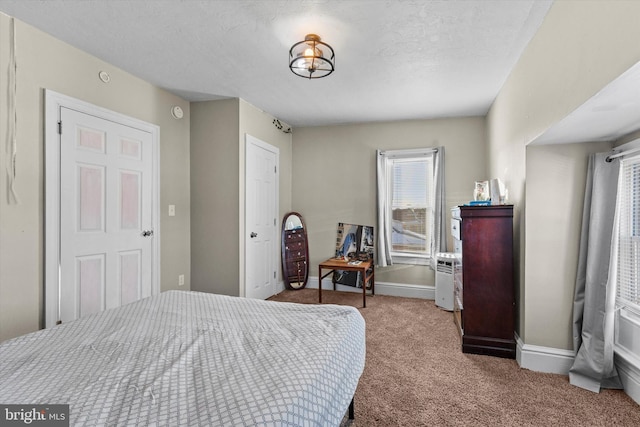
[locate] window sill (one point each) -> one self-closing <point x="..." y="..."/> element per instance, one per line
<point x="630" y="315"/>
<point x="409" y="260"/>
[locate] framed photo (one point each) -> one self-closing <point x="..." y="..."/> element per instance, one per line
<point x="481" y="191"/>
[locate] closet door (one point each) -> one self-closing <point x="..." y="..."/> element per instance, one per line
<point x="106" y="230"/>
<point x="261" y="213"/>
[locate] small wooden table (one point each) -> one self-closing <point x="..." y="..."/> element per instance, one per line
<point x="365" y="268"/>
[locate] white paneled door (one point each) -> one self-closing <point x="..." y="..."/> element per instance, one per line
<point x="261" y="212"/>
<point x="106" y="229"/>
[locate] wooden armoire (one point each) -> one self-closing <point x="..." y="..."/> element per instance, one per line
<point x="484" y="294"/>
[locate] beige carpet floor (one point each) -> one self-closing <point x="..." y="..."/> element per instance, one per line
<point x="416" y="375"/>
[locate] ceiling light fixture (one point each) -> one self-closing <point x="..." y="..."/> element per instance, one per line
<point x="311" y="58"/>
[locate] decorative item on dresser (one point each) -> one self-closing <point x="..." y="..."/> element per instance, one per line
<point x="295" y="251"/>
<point x="484" y="298"/>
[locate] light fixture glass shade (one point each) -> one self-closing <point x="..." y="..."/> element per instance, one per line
<point x="311" y="58"/>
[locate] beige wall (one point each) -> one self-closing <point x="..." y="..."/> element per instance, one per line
<point x="214" y="196"/>
<point x="218" y="131"/>
<point x="580" y="47"/>
<point x="46" y="63"/>
<point x="334" y="177"/>
<point x="556" y="177"/>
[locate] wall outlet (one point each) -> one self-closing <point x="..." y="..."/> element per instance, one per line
<point x="172" y="210"/>
<point x="181" y="280"/>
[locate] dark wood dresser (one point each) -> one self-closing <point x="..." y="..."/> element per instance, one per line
<point x="484" y="297"/>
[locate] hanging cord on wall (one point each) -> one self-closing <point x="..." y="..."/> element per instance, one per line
<point x="280" y="126"/>
<point x="12" y="115"/>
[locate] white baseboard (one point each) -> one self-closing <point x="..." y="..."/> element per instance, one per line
<point x="543" y="359"/>
<point x="629" y="372"/>
<point x="558" y="361"/>
<point x="382" y="288"/>
<point x="406" y="290"/>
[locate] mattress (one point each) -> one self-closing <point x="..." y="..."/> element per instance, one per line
<point x="189" y="358"/>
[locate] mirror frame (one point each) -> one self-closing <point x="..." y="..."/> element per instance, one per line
<point x="299" y="254"/>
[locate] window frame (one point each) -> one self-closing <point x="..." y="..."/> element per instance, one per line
<point x="413" y="257"/>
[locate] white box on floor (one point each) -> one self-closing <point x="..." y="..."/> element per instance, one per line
<point x="444" y="280"/>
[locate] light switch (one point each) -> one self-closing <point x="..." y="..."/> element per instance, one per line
<point x="172" y="210"/>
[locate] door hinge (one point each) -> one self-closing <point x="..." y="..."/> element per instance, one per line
<point x="275" y="169"/>
<point x="60" y="128"/>
<point x="274" y="274"/>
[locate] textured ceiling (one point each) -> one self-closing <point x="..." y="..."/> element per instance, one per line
<point x="394" y="59"/>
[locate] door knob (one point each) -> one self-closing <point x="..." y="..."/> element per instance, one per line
<point x="253" y="234"/>
<point x="147" y="233"/>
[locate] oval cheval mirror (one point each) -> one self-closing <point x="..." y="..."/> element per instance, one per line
<point x="295" y="251"/>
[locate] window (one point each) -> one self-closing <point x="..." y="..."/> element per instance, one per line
<point x="628" y="292"/>
<point x="409" y="184"/>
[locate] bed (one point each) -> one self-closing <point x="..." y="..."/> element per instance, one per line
<point x="190" y="358"/>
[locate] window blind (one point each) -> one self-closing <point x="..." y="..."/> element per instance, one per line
<point x="628" y="294"/>
<point x="412" y="204"/>
<point x="411" y="183"/>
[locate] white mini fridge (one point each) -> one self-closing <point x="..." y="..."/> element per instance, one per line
<point x="444" y="280"/>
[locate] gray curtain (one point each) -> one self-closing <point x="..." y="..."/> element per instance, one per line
<point x="593" y="367"/>
<point x="439" y="241"/>
<point x="383" y="248"/>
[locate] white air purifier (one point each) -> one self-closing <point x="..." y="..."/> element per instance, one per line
<point x="444" y="280"/>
